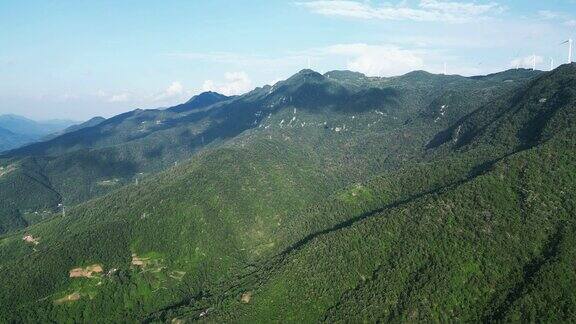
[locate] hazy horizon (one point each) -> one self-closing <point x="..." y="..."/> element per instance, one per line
<point x="58" y="60"/>
<point x="202" y="91"/>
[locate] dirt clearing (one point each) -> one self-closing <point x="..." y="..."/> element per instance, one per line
<point x="140" y="262"/>
<point x="246" y="297"/>
<point x="4" y="170"/>
<point x="67" y="299"/>
<point x="87" y="272"/>
<point x="30" y="239"/>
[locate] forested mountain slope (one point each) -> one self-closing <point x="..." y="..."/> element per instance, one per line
<point x="447" y="199"/>
<point x="387" y="118"/>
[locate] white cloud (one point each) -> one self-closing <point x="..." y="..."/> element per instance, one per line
<point x="378" y="60"/>
<point x="174" y="91"/>
<point x="122" y="97"/>
<point x="234" y="83"/>
<point x="426" y="10"/>
<point x="114" y="97"/>
<point x="368" y="59"/>
<point x="527" y="62"/>
<point x="570" y="23"/>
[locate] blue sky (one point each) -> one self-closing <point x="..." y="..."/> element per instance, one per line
<point x="78" y="59"/>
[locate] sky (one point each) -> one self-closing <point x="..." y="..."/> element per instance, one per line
<point x="79" y="59"/>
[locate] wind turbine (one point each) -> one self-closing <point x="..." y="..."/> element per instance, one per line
<point x="534" y="62"/>
<point x="569" y="42"/>
<point x="551" y="63"/>
<point x="445" y="68"/>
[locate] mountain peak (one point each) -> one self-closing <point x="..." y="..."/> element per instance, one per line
<point x="305" y="76"/>
<point x="418" y="73"/>
<point x="201" y="100"/>
<point x="206" y="96"/>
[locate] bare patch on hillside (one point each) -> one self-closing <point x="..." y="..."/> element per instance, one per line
<point x="87" y="272"/>
<point x="139" y="262"/>
<point x="31" y="239"/>
<point x="4" y="170"/>
<point x="67" y="299"/>
<point x="246" y="297"/>
<point x="111" y="182"/>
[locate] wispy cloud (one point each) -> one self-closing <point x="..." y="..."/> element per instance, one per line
<point x="568" y="19"/>
<point x="547" y="14"/>
<point x="426" y="10"/>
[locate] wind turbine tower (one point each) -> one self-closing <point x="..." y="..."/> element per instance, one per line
<point x="551" y="63"/>
<point x="445" y="69"/>
<point x="570" y="43"/>
<point x="534" y="62"/>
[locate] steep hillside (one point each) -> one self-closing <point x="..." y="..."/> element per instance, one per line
<point x="521" y="119"/>
<point x="391" y="118"/>
<point x="325" y="212"/>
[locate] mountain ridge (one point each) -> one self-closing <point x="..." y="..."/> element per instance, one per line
<point x="147" y="141"/>
<point x="323" y="199"/>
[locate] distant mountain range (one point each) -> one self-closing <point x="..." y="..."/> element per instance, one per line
<point x="16" y="131"/>
<point x="331" y="197"/>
